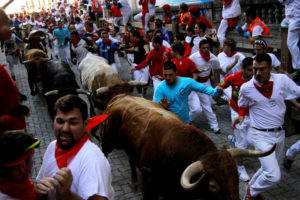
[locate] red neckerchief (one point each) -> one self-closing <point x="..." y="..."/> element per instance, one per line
<point x="65" y="156"/>
<point x="205" y="57"/>
<point x="266" y="89"/>
<point x="230" y="55"/>
<point x="135" y="43"/>
<point x="23" y="191"/>
<point x="76" y="41"/>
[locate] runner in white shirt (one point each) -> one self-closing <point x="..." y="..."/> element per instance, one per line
<point x="126" y="11"/>
<point x="230" y="62"/>
<point x="89" y="173"/>
<point x="265" y="94"/>
<point x="205" y="62"/>
<point x="230" y="14"/>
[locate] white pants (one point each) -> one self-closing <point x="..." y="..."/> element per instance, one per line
<point x="11" y="60"/>
<point x="127" y="18"/>
<point x="269" y="172"/>
<point x="148" y="16"/>
<point x="293" y="39"/>
<point x="194" y="105"/>
<point x="117" y="20"/>
<point x="205" y="103"/>
<point x="293" y="151"/>
<point x="222" y="31"/>
<point x="141" y="74"/>
<point x="156" y="81"/>
<point x="227" y="94"/>
<point x="242" y="132"/>
<point x="113" y="65"/>
<point x="65" y="56"/>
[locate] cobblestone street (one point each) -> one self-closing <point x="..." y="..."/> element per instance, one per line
<point x="41" y="125"/>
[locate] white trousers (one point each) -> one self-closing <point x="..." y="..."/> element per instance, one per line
<point x="155" y="81"/>
<point x="117" y="20"/>
<point x="203" y="104"/>
<point x="293" y="151"/>
<point x="222" y="31"/>
<point x="293" y="39"/>
<point x="242" y="132"/>
<point x="148" y="16"/>
<point x="269" y="172"/>
<point x="11" y="60"/>
<point x="141" y="74"/>
<point x="127" y="18"/>
<point x="65" y="56"/>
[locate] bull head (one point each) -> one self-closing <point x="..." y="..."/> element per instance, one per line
<point x="219" y="169"/>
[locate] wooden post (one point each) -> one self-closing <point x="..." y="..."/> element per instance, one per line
<point x="285" y="56"/>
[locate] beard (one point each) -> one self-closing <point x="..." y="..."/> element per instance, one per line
<point x="64" y="143"/>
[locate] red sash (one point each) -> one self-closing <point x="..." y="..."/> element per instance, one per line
<point x="65" y="156"/>
<point x="23" y="191"/>
<point x="205" y="57"/>
<point x="230" y="55"/>
<point x="76" y="41"/>
<point x="265" y="90"/>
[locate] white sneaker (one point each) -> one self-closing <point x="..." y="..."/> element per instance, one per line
<point x="243" y="173"/>
<point x="231" y="140"/>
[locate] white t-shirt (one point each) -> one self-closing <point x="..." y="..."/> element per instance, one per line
<point x="196" y="42"/>
<point x="268" y="113"/>
<point x="257" y="30"/>
<point x="5" y="197"/>
<point x="90" y="169"/>
<point x="164" y="43"/>
<point x="80" y="28"/>
<point x="206" y="67"/>
<point x="232" y="10"/>
<point x="226" y="60"/>
<point x="80" y="50"/>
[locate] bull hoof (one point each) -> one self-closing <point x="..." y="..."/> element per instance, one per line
<point x="32" y="93"/>
<point x="134" y="186"/>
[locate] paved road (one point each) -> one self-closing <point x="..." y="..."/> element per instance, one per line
<point x="41" y="125"/>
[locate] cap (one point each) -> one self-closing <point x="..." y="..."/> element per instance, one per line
<point x="166" y="6"/>
<point x="193" y="9"/>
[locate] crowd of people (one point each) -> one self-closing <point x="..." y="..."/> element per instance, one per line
<point x="180" y="66"/>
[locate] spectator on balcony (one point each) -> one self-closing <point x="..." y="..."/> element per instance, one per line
<point x="230" y="17"/>
<point x="148" y="11"/>
<point x="197" y="18"/>
<point x="167" y="14"/>
<point x="254" y="27"/>
<point x="184" y="15"/>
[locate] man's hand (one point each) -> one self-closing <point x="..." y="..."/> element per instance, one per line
<point x="239" y="119"/>
<point x="62" y="182"/>
<point x="237" y="57"/>
<point x="159" y="77"/>
<point x="44" y="186"/>
<point x="165" y="103"/>
<point x="220" y="91"/>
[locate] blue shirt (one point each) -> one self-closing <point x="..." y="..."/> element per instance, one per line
<point x="61" y="36"/>
<point x="178" y="93"/>
<point x="107" y="51"/>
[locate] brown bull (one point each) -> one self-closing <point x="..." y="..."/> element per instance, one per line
<point x="98" y="78"/>
<point x="34" y="59"/>
<point x="161" y="145"/>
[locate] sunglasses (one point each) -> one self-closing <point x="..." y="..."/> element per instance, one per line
<point x="260" y="42"/>
<point x="36" y="144"/>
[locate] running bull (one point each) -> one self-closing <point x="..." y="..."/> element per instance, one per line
<point x="98" y="78"/>
<point x="58" y="80"/>
<point x="162" y="146"/>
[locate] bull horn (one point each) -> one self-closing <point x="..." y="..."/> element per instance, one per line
<point x="137" y="83"/>
<point x="102" y="90"/>
<point x="81" y="91"/>
<point x="189" y="172"/>
<point x="42" y="38"/>
<point x="52" y="92"/>
<point x="45" y="59"/>
<point x="235" y="153"/>
<point x="27" y="61"/>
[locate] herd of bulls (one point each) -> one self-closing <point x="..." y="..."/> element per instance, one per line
<point x="176" y="160"/>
